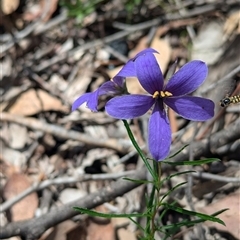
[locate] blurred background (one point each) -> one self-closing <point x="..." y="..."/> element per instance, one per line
<point x="52" y="52"/>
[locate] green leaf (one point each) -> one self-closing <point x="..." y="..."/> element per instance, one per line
<point x="188" y="223"/>
<point x="172" y="189"/>
<point x="191" y="213"/>
<point x="177" y="174"/>
<point x="108" y="215"/>
<point x="137" y="180"/>
<point x="137" y="224"/>
<point x="192" y="163"/>
<point x="172" y="156"/>
<point x="140" y="152"/>
<point x="80" y="9"/>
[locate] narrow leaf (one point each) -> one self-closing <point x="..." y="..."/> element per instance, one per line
<point x="177" y="174"/>
<point x="172" y="189"/>
<point x="191" y="213"/>
<point x="108" y="215"/>
<point x="140" y="152"/>
<point x="189" y="223"/>
<point x="138" y="181"/>
<point x="172" y="156"/>
<point x="137" y="224"/>
<point x="192" y="163"/>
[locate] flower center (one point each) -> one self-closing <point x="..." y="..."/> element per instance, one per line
<point x="161" y="94"/>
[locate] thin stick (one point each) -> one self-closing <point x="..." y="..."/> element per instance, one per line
<point x="61" y="180"/>
<point x="64" y="133"/>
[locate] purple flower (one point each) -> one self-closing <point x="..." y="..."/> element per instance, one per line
<point x="114" y="87"/>
<point x="174" y="95"/>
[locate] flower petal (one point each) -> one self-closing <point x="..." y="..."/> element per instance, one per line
<point x="119" y="81"/>
<point x="149" y="73"/>
<point x="159" y="135"/>
<point x="79" y="101"/>
<point x="192" y="108"/>
<point x="129" y="106"/>
<point x="147" y="50"/>
<point x="128" y="69"/>
<point x="188" y="78"/>
<point x="92" y="102"/>
<point x="111" y="88"/>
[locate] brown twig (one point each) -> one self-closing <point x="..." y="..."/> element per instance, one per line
<point x="209" y="146"/>
<point x="65" y="133"/>
<point x="34" y="228"/>
<point x="59" y="181"/>
<point x="215" y="177"/>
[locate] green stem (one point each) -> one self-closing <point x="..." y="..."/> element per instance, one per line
<point x="140" y="152"/>
<point x="158" y="172"/>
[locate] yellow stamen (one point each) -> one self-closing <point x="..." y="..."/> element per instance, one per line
<point x="168" y="94"/>
<point x="155" y="95"/>
<point x="165" y="94"/>
<point x="162" y="94"/>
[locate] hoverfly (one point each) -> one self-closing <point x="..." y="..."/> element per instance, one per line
<point x="228" y="100"/>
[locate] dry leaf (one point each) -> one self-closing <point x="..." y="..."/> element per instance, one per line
<point x="134" y="86"/>
<point x="100" y="231"/>
<point x="82" y="81"/>
<point x="59" y="232"/>
<point x="123" y="228"/>
<point x="44" y="8"/>
<point x="57" y="82"/>
<point x="34" y="101"/>
<point x="230" y="217"/>
<point x="100" y="228"/>
<point x="173" y="120"/>
<point x="124" y="234"/>
<point x="9" y="6"/>
<point x="18" y="136"/>
<point x="209" y="49"/>
<point x="22" y="210"/>
<point x="232" y="24"/>
<point x="77" y="233"/>
<point x="14" y="238"/>
<point x="48" y="8"/>
<point x="71" y="194"/>
<point x="6" y="67"/>
<point x="163" y="47"/>
<point x="12" y="157"/>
